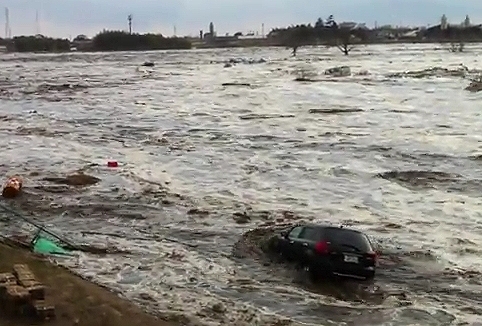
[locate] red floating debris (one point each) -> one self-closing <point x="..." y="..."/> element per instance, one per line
<point x="112" y="164"/>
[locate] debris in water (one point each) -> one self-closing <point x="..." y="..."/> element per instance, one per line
<point x="342" y="71"/>
<point x="335" y="111"/>
<point x="42" y="245"/>
<point x="112" y="164"/>
<point x="246" y="61"/>
<point x="306" y="79"/>
<point x="236" y="84"/>
<point x="432" y="72"/>
<point x="78" y="179"/>
<point x="197" y="211"/>
<point x="475" y="86"/>
<point x="419" y="178"/>
<point x="241" y="218"/>
<point x="148" y="64"/>
<point x="254" y="116"/>
<point x="12" y="187"/>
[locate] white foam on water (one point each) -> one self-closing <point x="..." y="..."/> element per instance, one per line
<point x="323" y="165"/>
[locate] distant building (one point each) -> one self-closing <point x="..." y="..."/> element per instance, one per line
<point x="211" y="35"/>
<point x="444" y="23"/>
<point x="211" y="29"/>
<point x="411" y="34"/>
<point x="348" y="25"/>
<point x="81" y="42"/>
<point x="80" y="38"/>
<point x="466" y="22"/>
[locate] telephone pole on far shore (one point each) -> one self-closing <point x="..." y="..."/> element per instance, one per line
<point x="7" y="24"/>
<point x="37" y="23"/>
<point x="129" y="19"/>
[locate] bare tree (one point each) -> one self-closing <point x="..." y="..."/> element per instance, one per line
<point x="298" y="36"/>
<point x="344" y="41"/>
<point x="345" y="47"/>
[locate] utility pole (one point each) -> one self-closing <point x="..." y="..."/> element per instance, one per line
<point x="129" y="19"/>
<point x="37" y="24"/>
<point x="7" y="23"/>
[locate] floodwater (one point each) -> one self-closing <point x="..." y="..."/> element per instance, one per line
<point x="200" y="164"/>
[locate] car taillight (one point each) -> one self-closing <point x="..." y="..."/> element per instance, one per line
<point x="321" y="247"/>
<point x="373" y="256"/>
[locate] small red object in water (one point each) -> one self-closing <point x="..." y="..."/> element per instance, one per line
<point x="112" y="164"/>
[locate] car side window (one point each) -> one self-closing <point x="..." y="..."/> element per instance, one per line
<point x="312" y="234"/>
<point x="295" y="232"/>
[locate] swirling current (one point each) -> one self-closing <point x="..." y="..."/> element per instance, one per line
<point x="206" y="170"/>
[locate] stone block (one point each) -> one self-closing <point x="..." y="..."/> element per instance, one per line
<point x="17" y="293"/>
<point x="15" y="299"/>
<point x="22" y="272"/>
<point x="37" y="292"/>
<point x="7" y="278"/>
<point x="43" y="310"/>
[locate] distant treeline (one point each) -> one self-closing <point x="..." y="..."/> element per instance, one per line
<point x="300" y="35"/>
<point x="104" y="41"/>
<point x="122" y="41"/>
<point x="454" y="34"/>
<point x="37" y="44"/>
<point x="329" y="32"/>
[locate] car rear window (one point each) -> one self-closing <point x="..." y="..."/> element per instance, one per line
<point x="348" y="237"/>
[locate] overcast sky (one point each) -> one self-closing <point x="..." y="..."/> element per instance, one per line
<point x="64" y="18"/>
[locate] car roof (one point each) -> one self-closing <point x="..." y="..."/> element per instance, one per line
<point x="327" y="226"/>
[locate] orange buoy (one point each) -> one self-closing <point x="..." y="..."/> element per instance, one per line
<point x="12" y="187"/>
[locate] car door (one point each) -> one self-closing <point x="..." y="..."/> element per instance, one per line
<point x="289" y="246"/>
<point x="306" y="243"/>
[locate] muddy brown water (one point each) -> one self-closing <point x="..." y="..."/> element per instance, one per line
<point x="207" y="173"/>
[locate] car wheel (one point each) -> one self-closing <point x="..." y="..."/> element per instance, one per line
<point x="314" y="273"/>
<point x="370" y="276"/>
<point x="280" y="257"/>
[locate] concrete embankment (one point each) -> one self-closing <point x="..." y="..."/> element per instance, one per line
<point x="76" y="301"/>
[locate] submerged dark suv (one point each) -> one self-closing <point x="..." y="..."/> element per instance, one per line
<point x="329" y="250"/>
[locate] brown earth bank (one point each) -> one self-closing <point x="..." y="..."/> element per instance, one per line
<point x="77" y="301"/>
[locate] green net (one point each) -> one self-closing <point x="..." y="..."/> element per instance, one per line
<point x="43" y="245"/>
